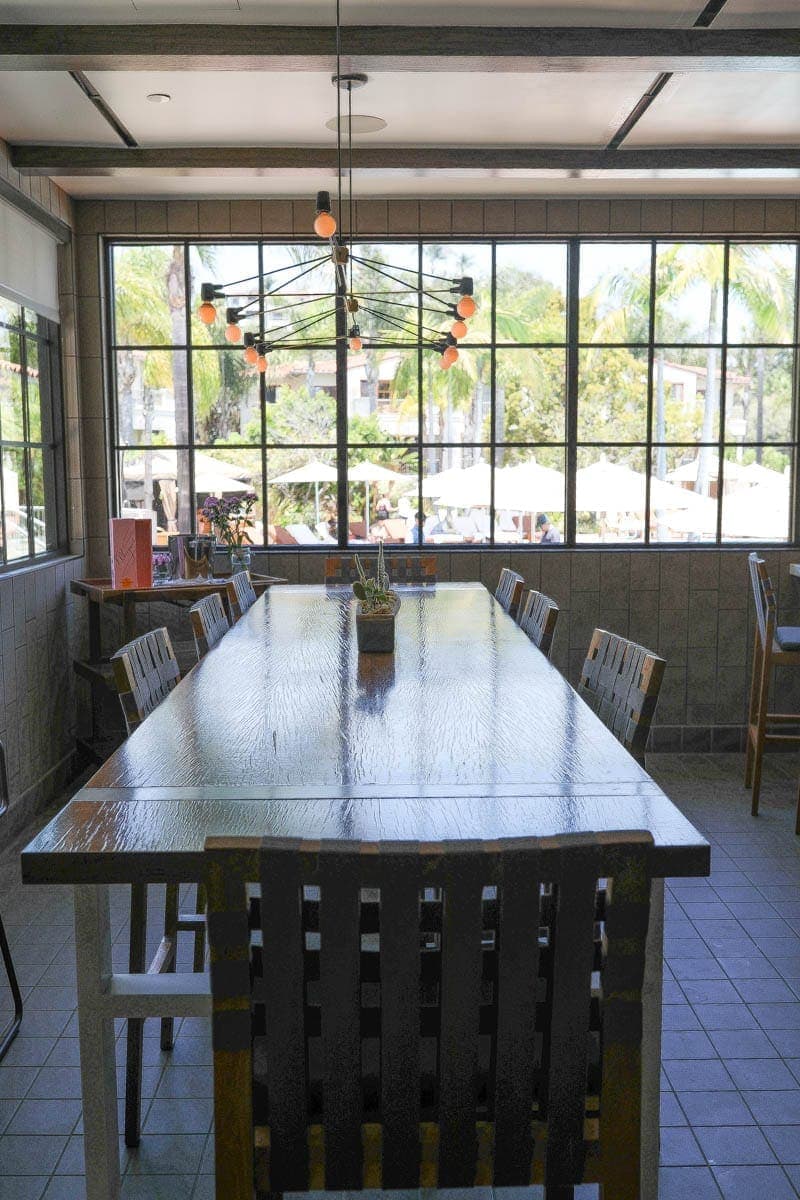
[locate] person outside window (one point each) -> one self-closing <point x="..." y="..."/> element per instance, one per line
<point x="548" y="535"/>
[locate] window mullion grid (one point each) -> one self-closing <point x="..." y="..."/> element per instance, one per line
<point x="492" y="391"/>
<point x="723" y="369"/>
<point x="571" y="415"/>
<point x="26" y="441"/>
<point x="794" y="490"/>
<point x="190" y="431"/>
<point x="262" y="400"/>
<point x="420" y="402"/>
<point x="651" y="326"/>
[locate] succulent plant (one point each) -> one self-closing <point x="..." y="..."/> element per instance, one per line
<point x="376" y="596"/>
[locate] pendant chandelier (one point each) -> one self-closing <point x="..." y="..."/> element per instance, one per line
<point x="406" y="304"/>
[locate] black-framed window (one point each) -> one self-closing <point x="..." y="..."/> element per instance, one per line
<point x="639" y="391"/>
<point x="32" y="503"/>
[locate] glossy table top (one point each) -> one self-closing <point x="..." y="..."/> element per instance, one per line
<point x="466" y="731"/>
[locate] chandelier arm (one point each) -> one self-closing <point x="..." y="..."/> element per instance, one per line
<point x="299" y="326"/>
<point x="439" y="332"/>
<point x="351" y="230"/>
<point x="299" y="303"/>
<point x="377" y="298"/>
<point x="339" y="106"/>
<point x="401" y="325"/>
<point x="286" y="283"/>
<point x="372" y="262"/>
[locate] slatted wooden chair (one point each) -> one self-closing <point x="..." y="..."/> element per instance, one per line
<point x="538" y="616"/>
<point x="415" y="570"/>
<point x="209" y="623"/>
<point x="146" y="671"/>
<point x="240" y="594"/>
<point x="12" y="1028"/>
<point x="508" y="592"/>
<point x="620" y="681"/>
<point x="379" y="1040"/>
<point x="774" y="645"/>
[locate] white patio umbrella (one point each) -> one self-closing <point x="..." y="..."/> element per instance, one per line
<point x="687" y="472"/>
<point x="760" y="512"/>
<point x="465" y="487"/>
<point x="529" y="487"/>
<point x="755" y="473"/>
<point x="212" y="475"/>
<point x="367" y="472"/>
<point x="315" y="472"/>
<point x="434" y="485"/>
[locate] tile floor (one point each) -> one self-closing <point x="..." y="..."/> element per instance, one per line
<point x="731" y="1047"/>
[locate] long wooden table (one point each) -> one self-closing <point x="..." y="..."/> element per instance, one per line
<point x="467" y="731"/>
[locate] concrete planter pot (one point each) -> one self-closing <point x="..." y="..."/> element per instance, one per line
<point x="376" y="633"/>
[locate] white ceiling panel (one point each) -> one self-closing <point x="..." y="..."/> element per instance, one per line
<point x="291" y="108"/>
<point x="355" y="12"/>
<point x="759" y="14"/>
<point x="48" y="106"/>
<point x="724" y="109"/>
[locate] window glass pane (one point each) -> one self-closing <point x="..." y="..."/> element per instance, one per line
<point x="615" y="292"/>
<point x="156" y="483"/>
<point x="531" y="293"/>
<point x="301" y="497"/>
<point x="610" y="494"/>
<point x="529" y="482"/>
<point x="149" y="296"/>
<point x="301" y="287"/>
<point x="689" y="287"/>
<point x="683" y="508"/>
<point x="301" y="396"/>
<point x="382" y="395"/>
<point x="530" y="396"/>
<point x="10" y="313"/>
<point x="612" y="394"/>
<point x="759" y="386"/>
<point x="755" y="501"/>
<point x="226" y="394"/>
<point x="15" y="498"/>
<point x="385" y="281"/>
<point x="456" y="403"/>
<point x="761" y="302"/>
<point x="685" y="407"/>
<point x="383" y="488"/>
<point x="456" y="490"/>
<point x="37" y="515"/>
<point x="152" y="397"/>
<point x="231" y="474"/>
<point x="451" y="261"/>
<point x="234" y="268"/>
<point x="30" y="320"/>
<point x="11" y="415"/>
<point x="32" y="388"/>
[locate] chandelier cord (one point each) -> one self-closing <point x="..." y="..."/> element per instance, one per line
<point x="350" y="173"/>
<point x="339" y="102"/>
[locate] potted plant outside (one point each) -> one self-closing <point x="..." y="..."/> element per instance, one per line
<point x="377" y="608"/>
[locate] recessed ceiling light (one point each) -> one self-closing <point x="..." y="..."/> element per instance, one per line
<point x="361" y="124"/>
<point x="159" y="97"/>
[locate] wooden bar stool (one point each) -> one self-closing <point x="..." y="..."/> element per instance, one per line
<point x="241" y="596"/>
<point x="347" y="1060"/>
<point x="538" y="616"/>
<point x="209" y="623"/>
<point x="774" y="645"/>
<point x="620" y="681"/>
<point x="146" y="671"/>
<point x="508" y="592"/>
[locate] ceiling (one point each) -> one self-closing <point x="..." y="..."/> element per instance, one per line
<point x="427" y="108"/>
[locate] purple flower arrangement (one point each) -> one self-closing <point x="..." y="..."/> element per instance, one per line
<point x="231" y="518"/>
<point x="162" y="566"/>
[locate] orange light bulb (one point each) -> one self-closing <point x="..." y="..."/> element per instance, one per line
<point x="233" y="333"/>
<point x="207" y="313"/>
<point x="458" y="329"/>
<point x="261" y="363"/>
<point x="450" y="356"/>
<point x="444" y="364"/>
<point x="250" y="354"/>
<point x="466" y="306"/>
<point x="325" y="225"/>
<point x="355" y="343"/>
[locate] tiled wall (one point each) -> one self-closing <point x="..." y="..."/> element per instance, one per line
<point x="692" y="606"/>
<point x="41" y="629"/>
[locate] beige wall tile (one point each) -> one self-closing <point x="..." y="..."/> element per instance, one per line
<point x="530" y="216"/>
<point x="303" y="213"/>
<point x="120" y="215"/>
<point x="214" y="216"/>
<point x="656" y="216"/>
<point x="403" y="216"/>
<point x="594" y="216"/>
<point x="625" y="216"/>
<point x="89" y="326"/>
<point x="687" y="216"/>
<point x="748" y="216"/>
<point x="182" y="216"/>
<point x="151" y="216"/>
<point x="87" y="264"/>
<point x="498" y="217"/>
<point x="780" y="216"/>
<point x="371" y="216"/>
<point x="717" y="216"/>
<point x="563" y="216"/>
<point x="435" y="216"/>
<point x="467" y="216"/>
<point x="245" y="216"/>
<point x="90" y="216"/>
<point x="276" y="217"/>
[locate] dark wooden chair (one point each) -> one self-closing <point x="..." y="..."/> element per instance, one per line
<point x="414" y="570"/>
<point x="240" y="593"/>
<point x="774" y="645"/>
<point x="12" y="1028"/>
<point x="146" y="671"/>
<point x="209" y="623"/>
<point x="508" y="592"/>
<point x="538" y="616"/>
<point x="620" y="681"/>
<point x="397" y="1029"/>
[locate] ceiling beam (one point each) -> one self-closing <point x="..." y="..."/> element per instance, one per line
<point x="186" y="160"/>
<point x="409" y="48"/>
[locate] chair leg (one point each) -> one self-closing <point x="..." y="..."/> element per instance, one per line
<point x="760" y="731"/>
<point x="135" y="1032"/>
<point x="200" y="934"/>
<point x="752" y="712"/>
<point x="170" y="931"/>
<point x="12" y="1029"/>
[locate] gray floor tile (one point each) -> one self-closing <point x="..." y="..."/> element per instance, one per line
<point x="679" y="1149"/>
<point x="715" y="1108"/>
<point x="671" y="1111"/>
<point x="158" y="1187"/>
<point x="754" y="1183"/>
<point x="22" y="1187"/>
<point x="734" y="1145"/>
<point x="29" y="1155"/>
<point x="187" y="1116"/>
<point x="742" y="1043"/>
<point x="66" y="1187"/>
<point x="785" y="1141"/>
<point x="686" y="1043"/>
<point x="163" y="1154"/>
<point x="774" y="1108"/>
<point x="764" y="1073"/>
<point x="45" y="1116"/>
<point x="703" y="1076"/>
<point x="687" y="1183"/>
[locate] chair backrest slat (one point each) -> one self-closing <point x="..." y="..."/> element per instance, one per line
<point x="209" y="623"/>
<point x="765" y="602"/>
<point x="354" y="952"/>
<point x="621" y="681"/>
<point x="508" y="592"/>
<point x="415" y="570"/>
<point x="240" y="594"/>
<point x="538" y="615"/>
<point x="145" y="672"/>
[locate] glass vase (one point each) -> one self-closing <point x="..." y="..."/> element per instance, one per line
<point x="239" y="558"/>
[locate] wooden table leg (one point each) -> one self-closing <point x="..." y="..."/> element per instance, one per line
<point x="96" y="1033"/>
<point x="128" y="619"/>
<point x="135" y="1030"/>
<point x="651" y="1042"/>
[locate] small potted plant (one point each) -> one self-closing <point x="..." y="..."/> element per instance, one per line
<point x="231" y="520"/>
<point x="377" y="608"/>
